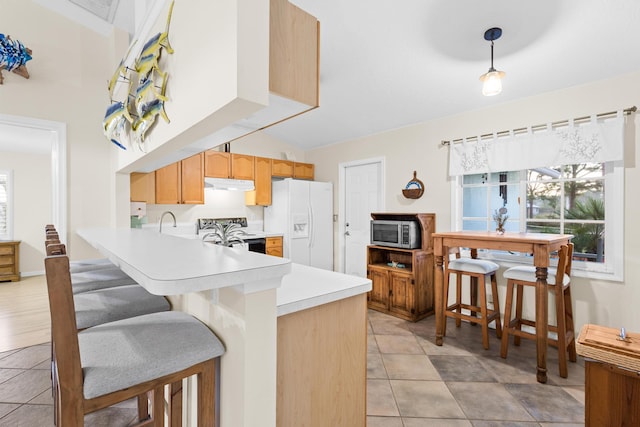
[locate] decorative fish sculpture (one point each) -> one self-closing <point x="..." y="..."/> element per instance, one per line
<point x="115" y="121"/>
<point x="147" y="117"/>
<point x="13" y="56"/>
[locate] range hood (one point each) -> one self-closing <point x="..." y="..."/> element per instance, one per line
<point x="229" y="184"/>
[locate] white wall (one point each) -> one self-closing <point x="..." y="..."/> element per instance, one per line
<point x="31" y="204"/>
<point x="68" y="84"/>
<point x="418" y="148"/>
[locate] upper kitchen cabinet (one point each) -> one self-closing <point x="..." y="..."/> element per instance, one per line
<point x="303" y="171"/>
<point x="143" y="187"/>
<point x="181" y="182"/>
<point x="261" y="196"/>
<point x="221" y="164"/>
<point x="217" y="164"/>
<point x="294" y="53"/>
<point x="282" y="168"/>
<point x="242" y="166"/>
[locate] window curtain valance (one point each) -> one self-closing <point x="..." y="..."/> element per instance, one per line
<point x="595" y="141"/>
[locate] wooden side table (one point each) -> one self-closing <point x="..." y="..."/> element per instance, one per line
<point x="9" y="260"/>
<point x="612" y="376"/>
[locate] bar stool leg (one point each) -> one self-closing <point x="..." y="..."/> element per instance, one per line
<point x="518" y="319"/>
<point x="496" y="304"/>
<point x="568" y="310"/>
<point x="561" y="331"/>
<point x="482" y="288"/>
<point x="458" y="298"/>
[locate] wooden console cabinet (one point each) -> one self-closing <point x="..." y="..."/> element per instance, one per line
<point x="9" y="260"/>
<point x="405" y="292"/>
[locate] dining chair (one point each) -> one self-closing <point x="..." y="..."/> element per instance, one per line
<point x="113" y="362"/>
<point x="478" y="271"/>
<point x="560" y="287"/>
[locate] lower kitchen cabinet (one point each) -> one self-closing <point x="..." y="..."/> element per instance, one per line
<point x="402" y="282"/>
<point x="274" y="246"/>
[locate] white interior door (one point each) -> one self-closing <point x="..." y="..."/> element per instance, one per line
<point x="362" y="193"/>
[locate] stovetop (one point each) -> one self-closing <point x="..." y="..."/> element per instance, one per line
<point x="208" y="224"/>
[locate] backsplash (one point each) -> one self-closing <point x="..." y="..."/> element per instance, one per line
<point x="217" y="204"/>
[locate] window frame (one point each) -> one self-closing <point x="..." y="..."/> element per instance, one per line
<point x="9" y="205"/>
<point x="613" y="267"/>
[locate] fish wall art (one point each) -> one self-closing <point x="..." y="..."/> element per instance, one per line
<point x="13" y="57"/>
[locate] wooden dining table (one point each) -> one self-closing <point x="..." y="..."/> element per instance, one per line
<point x="540" y="245"/>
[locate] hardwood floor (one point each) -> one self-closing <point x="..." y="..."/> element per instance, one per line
<point x="24" y="313"/>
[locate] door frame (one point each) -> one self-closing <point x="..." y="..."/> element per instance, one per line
<point x="58" y="165"/>
<point x="342" y="167"/>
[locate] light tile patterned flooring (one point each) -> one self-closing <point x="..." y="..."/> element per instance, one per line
<point x="414" y="383"/>
<point x="411" y="383"/>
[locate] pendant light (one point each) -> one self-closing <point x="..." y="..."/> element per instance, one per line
<point x="492" y="79"/>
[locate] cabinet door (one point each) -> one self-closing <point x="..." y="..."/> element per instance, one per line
<point x="217" y="164"/>
<point x="168" y="184"/>
<point x="303" y="170"/>
<point x="192" y="180"/>
<point x="142" y="187"/>
<point x="401" y="297"/>
<point x="379" y="294"/>
<point x="274" y="246"/>
<point x="261" y="196"/>
<point x="282" y="168"/>
<point x="242" y="166"/>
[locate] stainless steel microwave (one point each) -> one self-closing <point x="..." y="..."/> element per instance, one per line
<point x="396" y="234"/>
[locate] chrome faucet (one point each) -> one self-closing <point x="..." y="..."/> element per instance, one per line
<point x="162" y="217"/>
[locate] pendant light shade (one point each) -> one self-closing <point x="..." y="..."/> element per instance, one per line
<point x="492" y="79"/>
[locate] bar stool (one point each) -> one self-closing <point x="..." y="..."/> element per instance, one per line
<point x="478" y="271"/>
<point x="99" y="366"/>
<point x="519" y="277"/>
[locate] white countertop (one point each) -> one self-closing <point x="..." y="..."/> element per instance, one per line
<point x="306" y="287"/>
<point x="171" y="265"/>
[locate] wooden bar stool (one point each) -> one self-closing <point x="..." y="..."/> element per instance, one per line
<point x="560" y="286"/>
<point x="116" y="361"/>
<point x="478" y="271"/>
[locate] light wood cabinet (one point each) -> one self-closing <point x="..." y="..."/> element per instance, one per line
<point x="403" y="279"/>
<point x="10" y="260"/>
<point x="143" y="187"/>
<point x="303" y="171"/>
<point x="294" y="53"/>
<point x="217" y="164"/>
<point x="242" y="166"/>
<point x="282" y="168"/>
<point x="261" y="196"/>
<point x="322" y="365"/>
<point x="181" y="182"/>
<point x="274" y="246"/>
<point x="221" y="164"/>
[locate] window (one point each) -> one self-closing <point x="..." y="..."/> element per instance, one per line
<point x="6" y="229"/>
<point x="585" y="200"/>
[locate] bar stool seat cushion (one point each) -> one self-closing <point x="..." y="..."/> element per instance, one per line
<point x="127" y="352"/>
<point x="99" y="279"/>
<point x="89" y="265"/>
<point x="111" y="304"/>
<point x="528" y="274"/>
<point x="473" y="265"/>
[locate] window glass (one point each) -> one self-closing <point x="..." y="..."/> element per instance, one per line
<point x="565" y="199"/>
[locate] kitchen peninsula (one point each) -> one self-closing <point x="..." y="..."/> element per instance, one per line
<point x="293" y="334"/>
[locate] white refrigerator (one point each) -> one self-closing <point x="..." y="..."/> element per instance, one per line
<point x="303" y="211"/>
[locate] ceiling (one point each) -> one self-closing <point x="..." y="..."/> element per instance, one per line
<point x="386" y="65"/>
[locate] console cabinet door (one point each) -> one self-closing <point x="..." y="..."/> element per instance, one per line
<point x="379" y="295"/>
<point x="401" y="297"/>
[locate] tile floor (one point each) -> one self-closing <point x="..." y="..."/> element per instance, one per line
<point x="411" y="383"/>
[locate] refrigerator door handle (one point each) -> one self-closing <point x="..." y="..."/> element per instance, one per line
<point x="311" y="233"/>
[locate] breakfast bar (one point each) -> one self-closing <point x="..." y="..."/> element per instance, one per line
<point x="275" y="318"/>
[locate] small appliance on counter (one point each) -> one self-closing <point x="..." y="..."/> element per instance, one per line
<point x="255" y="241"/>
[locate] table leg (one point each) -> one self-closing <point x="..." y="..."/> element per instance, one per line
<point x="542" y="319"/>
<point x="439" y="302"/>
